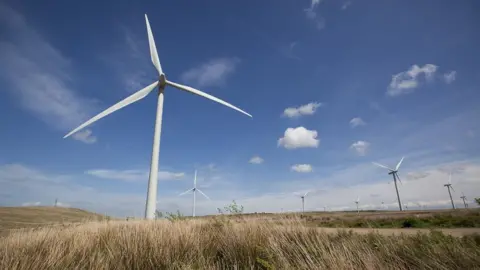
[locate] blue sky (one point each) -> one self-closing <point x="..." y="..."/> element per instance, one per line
<point x="332" y="86"/>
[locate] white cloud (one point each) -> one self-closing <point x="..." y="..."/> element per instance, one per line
<point x="312" y="15"/>
<point x="85" y="136"/>
<point x="31" y="204"/>
<point x="38" y="75"/>
<point x="130" y="59"/>
<point x="357" y="121"/>
<point x="406" y="81"/>
<point x="307" y="109"/>
<point x="302" y="168"/>
<point x="346" y="5"/>
<point x="212" y="73"/>
<point x="299" y="137"/>
<point x="361" y="147"/>
<point x="450" y="76"/>
<point x="133" y="175"/>
<point x="256" y="160"/>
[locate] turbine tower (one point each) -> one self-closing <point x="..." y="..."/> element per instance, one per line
<point x="194" y="190"/>
<point x="160" y="84"/>
<point x="449" y="186"/>
<point x="464" y="198"/>
<point x="394" y="173"/>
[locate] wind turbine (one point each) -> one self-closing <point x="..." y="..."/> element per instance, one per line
<point x="194" y="190"/>
<point x="449" y="186"/>
<point x="356" y="202"/>
<point x="420" y="206"/>
<point x="464" y="198"/>
<point x="394" y="173"/>
<point x="159" y="84"/>
<point x="303" y="200"/>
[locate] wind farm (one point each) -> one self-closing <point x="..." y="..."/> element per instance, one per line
<point x="302" y="185"/>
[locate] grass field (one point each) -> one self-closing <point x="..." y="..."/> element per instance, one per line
<point x="226" y="242"/>
<point x="40" y="216"/>
<point x="460" y="218"/>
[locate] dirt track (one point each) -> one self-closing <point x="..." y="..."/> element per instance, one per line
<point x="458" y="232"/>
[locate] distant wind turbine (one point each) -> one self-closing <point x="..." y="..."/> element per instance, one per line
<point x="383" y="205"/>
<point x="394" y="173"/>
<point x="464" y="198"/>
<point x="303" y="200"/>
<point x="449" y="186"/>
<point x="194" y="190"/>
<point x="160" y="84"/>
<point x="356" y="202"/>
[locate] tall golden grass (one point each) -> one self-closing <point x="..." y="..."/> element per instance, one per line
<point x="224" y="244"/>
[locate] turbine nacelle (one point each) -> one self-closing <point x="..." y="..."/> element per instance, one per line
<point x="162" y="81"/>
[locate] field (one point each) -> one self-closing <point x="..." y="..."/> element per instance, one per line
<point x="259" y="241"/>
<point x="33" y="217"/>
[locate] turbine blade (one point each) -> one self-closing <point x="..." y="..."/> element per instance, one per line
<point x="205" y="95"/>
<point x="306" y="193"/>
<point x="400" y="180"/>
<point x="153" y="48"/>
<point x="125" y="102"/>
<point x="450" y="178"/>
<point x="183" y="193"/>
<point x="452" y="188"/>
<point x="195" y="180"/>
<point x="399" y="163"/>
<point x="201" y="192"/>
<point x="382" y="166"/>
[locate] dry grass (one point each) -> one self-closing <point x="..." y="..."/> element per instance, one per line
<point x="39" y="216"/>
<point x="223" y="244"/>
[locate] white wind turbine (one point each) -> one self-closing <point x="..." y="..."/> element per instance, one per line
<point x="394" y="173"/>
<point x="463" y="197"/>
<point x="160" y="84"/>
<point x="303" y="200"/>
<point x="449" y="186"/>
<point x="194" y="190"/>
<point x="356" y="202"/>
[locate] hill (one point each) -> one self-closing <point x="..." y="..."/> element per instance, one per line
<point x="32" y="217"/>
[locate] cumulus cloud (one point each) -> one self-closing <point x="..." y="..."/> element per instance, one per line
<point x="302" y="168"/>
<point x="299" y="137"/>
<point x="449" y="77"/>
<point x="361" y="147"/>
<point x="85" y="136"/>
<point x="40" y="76"/>
<point x="407" y="81"/>
<point x="256" y="160"/>
<point x="312" y="15"/>
<point x="133" y="175"/>
<point x="212" y="73"/>
<point x="307" y="109"/>
<point x="357" y="121"/>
